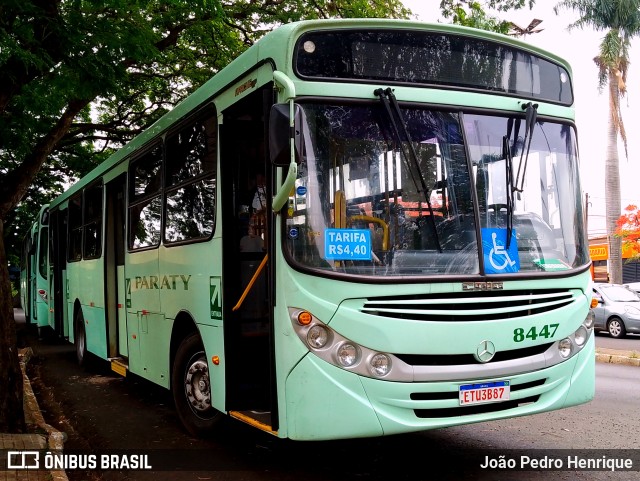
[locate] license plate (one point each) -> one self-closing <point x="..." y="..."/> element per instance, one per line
<point x="489" y="392"/>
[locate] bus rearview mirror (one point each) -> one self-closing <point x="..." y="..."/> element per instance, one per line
<point x="280" y="133"/>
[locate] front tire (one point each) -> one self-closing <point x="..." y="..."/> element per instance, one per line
<point x="191" y="388"/>
<point x="616" y="328"/>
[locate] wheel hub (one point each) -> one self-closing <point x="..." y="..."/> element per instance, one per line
<point x="197" y="385"/>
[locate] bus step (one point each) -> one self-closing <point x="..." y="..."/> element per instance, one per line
<point x="120" y="366"/>
<point x="257" y="419"/>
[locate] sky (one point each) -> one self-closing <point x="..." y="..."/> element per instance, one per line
<point x="579" y="47"/>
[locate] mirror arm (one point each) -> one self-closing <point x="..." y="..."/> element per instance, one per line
<point x="287" y="85"/>
<point x="283" y="193"/>
<point x="289" y="92"/>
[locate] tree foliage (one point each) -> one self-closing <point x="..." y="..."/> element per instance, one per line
<point x="628" y="230"/>
<point x="81" y="77"/>
<point x="620" y="20"/>
<point x="472" y="13"/>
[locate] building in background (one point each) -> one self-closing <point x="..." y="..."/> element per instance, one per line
<point x="599" y="253"/>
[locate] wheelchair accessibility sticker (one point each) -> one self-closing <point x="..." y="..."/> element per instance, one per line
<point x="497" y="258"/>
<point x="347" y="244"/>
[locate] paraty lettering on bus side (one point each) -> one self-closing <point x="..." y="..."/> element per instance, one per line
<point x="171" y="281"/>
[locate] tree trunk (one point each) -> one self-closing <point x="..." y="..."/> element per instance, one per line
<point x="612" y="186"/>
<point x="11" y="387"/>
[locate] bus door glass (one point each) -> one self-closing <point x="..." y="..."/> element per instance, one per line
<point x="142" y="297"/>
<point x="115" y="247"/>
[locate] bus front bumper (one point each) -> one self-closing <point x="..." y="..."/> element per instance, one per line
<point x="325" y="402"/>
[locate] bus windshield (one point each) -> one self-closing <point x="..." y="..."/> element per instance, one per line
<point x="425" y="193"/>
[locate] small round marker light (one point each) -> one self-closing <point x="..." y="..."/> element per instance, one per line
<point x="304" y="318"/>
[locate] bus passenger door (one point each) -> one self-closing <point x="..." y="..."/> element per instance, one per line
<point x="247" y="307"/>
<point x="58" y="261"/>
<point x="114" y="269"/>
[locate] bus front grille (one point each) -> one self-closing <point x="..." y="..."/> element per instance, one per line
<point x="465" y="359"/>
<point x="474" y="409"/>
<point x="473" y="306"/>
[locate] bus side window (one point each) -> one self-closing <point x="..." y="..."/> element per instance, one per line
<point x="75" y="229"/>
<point x="190" y="184"/>
<point x="145" y="200"/>
<point x="92" y="248"/>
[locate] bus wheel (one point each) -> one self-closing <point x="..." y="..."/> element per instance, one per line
<point x="191" y="387"/>
<point x="80" y="338"/>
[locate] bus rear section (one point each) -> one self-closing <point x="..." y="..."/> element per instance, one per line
<point x="34" y="273"/>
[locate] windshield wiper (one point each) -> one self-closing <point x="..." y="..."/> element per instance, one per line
<point x="388" y="100"/>
<point x="508" y="168"/>
<point x="531" y="115"/>
<point x="517" y="185"/>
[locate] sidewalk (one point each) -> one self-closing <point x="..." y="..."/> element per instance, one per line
<point x="41" y="436"/>
<point x="630" y="358"/>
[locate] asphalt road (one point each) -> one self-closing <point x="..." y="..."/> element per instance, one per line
<point x="102" y="411"/>
<point x="629" y="343"/>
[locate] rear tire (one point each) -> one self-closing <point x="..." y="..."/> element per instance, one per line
<point x="191" y="388"/>
<point x="616" y="328"/>
<point x="80" y="338"/>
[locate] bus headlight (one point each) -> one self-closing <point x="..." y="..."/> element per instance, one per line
<point x="380" y="365"/>
<point x="348" y="354"/>
<point x="331" y="346"/>
<point x="589" y="320"/>
<point x="580" y="336"/>
<point x="317" y="337"/>
<point x="564" y="347"/>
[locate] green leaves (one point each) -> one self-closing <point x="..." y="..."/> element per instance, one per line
<point x="128" y="62"/>
<point x="472" y="13"/>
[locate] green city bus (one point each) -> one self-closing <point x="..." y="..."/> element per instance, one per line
<point x="357" y="228"/>
<point x="34" y="272"/>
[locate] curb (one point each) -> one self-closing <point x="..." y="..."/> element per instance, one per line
<point x="617" y="359"/>
<point x="55" y="438"/>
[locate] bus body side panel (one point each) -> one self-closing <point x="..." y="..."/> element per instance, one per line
<point x="123" y="338"/>
<point x="184" y="280"/>
<point x="144" y="315"/>
<point x="213" y="341"/>
<point x="85" y="284"/>
<point x="67" y="314"/>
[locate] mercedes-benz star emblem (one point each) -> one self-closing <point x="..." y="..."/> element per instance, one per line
<point x="485" y="351"/>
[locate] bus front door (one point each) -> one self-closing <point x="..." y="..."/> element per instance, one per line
<point x="115" y="298"/>
<point x="247" y="310"/>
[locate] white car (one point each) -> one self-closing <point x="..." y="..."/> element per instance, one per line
<point x="634" y="286"/>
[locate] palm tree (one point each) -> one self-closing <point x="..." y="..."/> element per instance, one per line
<point x="620" y="19"/>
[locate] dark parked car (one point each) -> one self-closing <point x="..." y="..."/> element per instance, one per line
<point x="618" y="310"/>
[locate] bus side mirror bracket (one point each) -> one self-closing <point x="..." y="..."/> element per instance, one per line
<point x="283" y="131"/>
<point x="280" y="199"/>
<point x="286" y="146"/>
